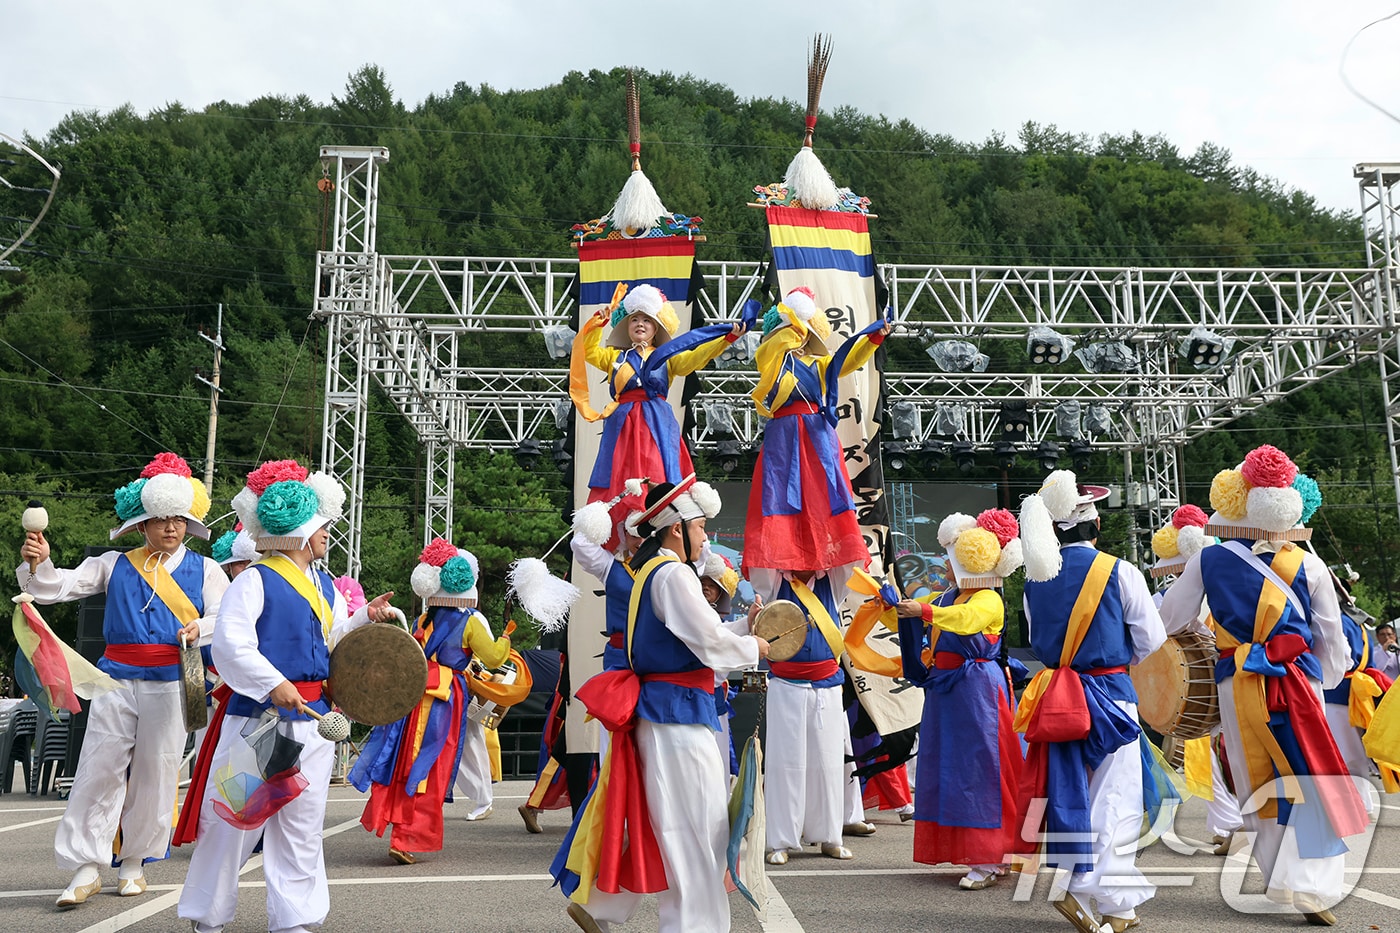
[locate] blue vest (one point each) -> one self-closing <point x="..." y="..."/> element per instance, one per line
<point x="655" y="650"/>
<point x="815" y="648"/>
<point x="1232" y="590"/>
<point x="617" y="594"/>
<point x="445" y="645"/>
<point x="134" y="615"/>
<point x="1106" y="643"/>
<point x="1356" y="641"/>
<point x="290" y="637"/>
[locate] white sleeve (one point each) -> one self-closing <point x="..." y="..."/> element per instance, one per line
<point x="215" y="585"/>
<point x="235" y="645"/>
<point x="679" y="603"/>
<point x="1139" y="612"/>
<point x="1181" y="606"/>
<point x="1330" y="645"/>
<point x="593" y="558"/>
<point x="51" y="584"/>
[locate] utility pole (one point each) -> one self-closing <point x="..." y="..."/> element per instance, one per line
<point x="218" y="343"/>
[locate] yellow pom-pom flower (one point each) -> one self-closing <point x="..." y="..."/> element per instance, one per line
<point x="1164" y="542"/>
<point x="977" y="550"/>
<point x="1229" y="494"/>
<point x="200" y="507"/>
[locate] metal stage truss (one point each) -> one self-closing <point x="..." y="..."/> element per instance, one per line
<point x="413" y="325"/>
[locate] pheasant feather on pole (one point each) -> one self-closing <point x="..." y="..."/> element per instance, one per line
<point x="638" y="208"/>
<point x="806" y="178"/>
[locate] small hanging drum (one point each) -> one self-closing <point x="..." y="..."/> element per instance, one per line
<point x="783" y="624"/>
<point x="1176" y="687"/>
<point x="378" y="674"/>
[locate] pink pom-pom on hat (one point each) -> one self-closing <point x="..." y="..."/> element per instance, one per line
<point x="275" y="471"/>
<point x="1268" y="466"/>
<point x="166" y="463"/>
<point x="1192" y="516"/>
<point x="438" y="552"/>
<point x="353" y="592"/>
<point x="1001" y="523"/>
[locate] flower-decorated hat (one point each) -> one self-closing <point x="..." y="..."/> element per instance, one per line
<point x="719" y="569"/>
<point x="1179" y="540"/>
<point x="446" y="575"/>
<point x="354" y="594"/>
<point x="1265" y="498"/>
<point x="165" y="489"/>
<point x="982" y="551"/>
<point x="234" y="547"/>
<point x="1062" y="502"/>
<point x="648" y="300"/>
<point x="799" y="310"/>
<point x="283" y="505"/>
<point x="684" y="501"/>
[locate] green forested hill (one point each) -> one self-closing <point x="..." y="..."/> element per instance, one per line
<point x="162" y="217"/>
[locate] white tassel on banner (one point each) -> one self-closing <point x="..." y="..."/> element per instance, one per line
<point x="809" y="181"/>
<point x="638" y="207"/>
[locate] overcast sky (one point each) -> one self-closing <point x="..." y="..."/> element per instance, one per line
<point x="1259" y="77"/>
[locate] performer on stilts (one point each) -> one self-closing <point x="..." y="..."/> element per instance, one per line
<point x="157" y="594"/>
<point x="1279" y="631"/>
<point x="1174" y="544"/>
<point x="657" y="821"/>
<point x="277" y="624"/>
<point x="801" y="543"/>
<point x="969" y="763"/>
<point x="408" y="766"/>
<point x="1090" y="616"/>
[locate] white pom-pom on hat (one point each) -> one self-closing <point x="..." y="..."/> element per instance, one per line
<point x="952" y="526"/>
<point x="707" y="498"/>
<point x="801" y="302"/>
<point x="644" y="298"/>
<point x="244" y="548"/>
<point x="634" y="486"/>
<point x="1038" y="541"/>
<point x="166" y="495"/>
<point x="245" y="504"/>
<point x="1273" y="508"/>
<point x="426" y="580"/>
<point x="1190" y="540"/>
<point x="592" y="523"/>
<point x="1012" y="557"/>
<point x="330" y="495"/>
<point x="1060" y="494"/>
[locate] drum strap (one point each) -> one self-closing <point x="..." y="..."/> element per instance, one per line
<point x="285" y="568"/>
<point x="831" y="632"/>
<point x="164" y="585"/>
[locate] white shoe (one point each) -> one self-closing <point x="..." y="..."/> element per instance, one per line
<point x="73" y="896"/>
<point x="776" y="857"/>
<point x="481" y="814"/>
<point x="131" y="887"/>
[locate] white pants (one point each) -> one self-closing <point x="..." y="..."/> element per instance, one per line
<point x="128" y="775"/>
<point x="803" y="787"/>
<point x="1276" y="846"/>
<point x="689" y="814"/>
<point x="474" y="770"/>
<point x="293" y="861"/>
<point x="1115" y="816"/>
<point x="852" y="797"/>
<point x="1223" y="809"/>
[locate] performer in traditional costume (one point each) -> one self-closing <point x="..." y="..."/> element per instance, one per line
<point x="1090" y="616"/>
<point x="657" y="818"/>
<point x="1351" y="705"/>
<point x="1278" y="628"/>
<point x="643" y="353"/>
<point x="719" y="582"/>
<point x="551" y="788"/>
<point x="157" y="594"/>
<point x="969" y="763"/>
<point x="408" y="766"/>
<point x="1174" y="544"/>
<point x="276" y="626"/>
<point x="234" y="551"/>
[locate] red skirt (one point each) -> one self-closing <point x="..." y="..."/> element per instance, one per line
<point x="812" y="539"/>
<point x="889" y="789"/>
<point x="417" y="820"/>
<point x="935" y="844"/>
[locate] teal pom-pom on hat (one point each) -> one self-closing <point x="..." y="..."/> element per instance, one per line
<point x="456" y="575"/>
<point x="222" y="549"/>
<point x="1312" y="495"/>
<point x="618" y="314"/>
<point x="772" y="319"/>
<point x="129" y="499"/>
<point x="286" y="506"/>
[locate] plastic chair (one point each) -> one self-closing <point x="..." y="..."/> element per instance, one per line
<point x="50" y="753"/>
<point x="15" y="743"/>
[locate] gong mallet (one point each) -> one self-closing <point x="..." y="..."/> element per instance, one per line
<point x="35" y="519"/>
<point x="333" y="726"/>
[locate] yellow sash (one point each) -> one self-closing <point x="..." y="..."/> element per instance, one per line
<point x="1262" y="752"/>
<point x="862" y="657"/>
<point x="825" y="624"/>
<point x="287" y="569"/>
<point x="1082" y="613"/>
<point x="164" y="585"/>
<point x="635" y="602"/>
<point x="578" y="362"/>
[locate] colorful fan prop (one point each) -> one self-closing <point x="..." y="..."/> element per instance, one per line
<point x="747" y="830"/>
<point x="262" y="776"/>
<point x="52" y="673"/>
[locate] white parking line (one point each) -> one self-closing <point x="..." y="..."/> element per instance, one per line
<point x="51" y="819"/>
<point x="1375" y="897"/>
<point x="780" y="916"/>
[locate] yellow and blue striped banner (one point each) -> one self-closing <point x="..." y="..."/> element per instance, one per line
<point x="665" y="262"/>
<point x="807" y="239"/>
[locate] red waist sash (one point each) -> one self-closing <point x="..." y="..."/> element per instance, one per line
<point x="704" y="679"/>
<point x="796" y="408"/>
<point x="949" y="660"/>
<point x="1103" y="671"/>
<point x="805" y="670"/>
<point x="617" y="640"/>
<point x="632" y="395"/>
<point x="143" y="655"/>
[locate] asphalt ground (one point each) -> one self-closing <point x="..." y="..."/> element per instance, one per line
<point x="492" y="876"/>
